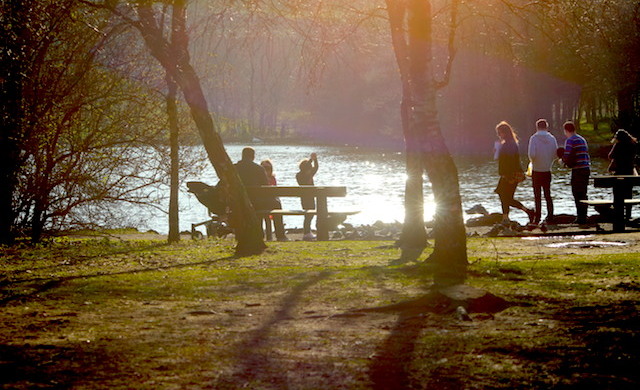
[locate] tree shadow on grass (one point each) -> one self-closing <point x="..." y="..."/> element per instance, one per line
<point x="46" y="366"/>
<point x="78" y="258"/>
<point x="605" y="346"/>
<point x="593" y="346"/>
<point x="35" y="286"/>
<point x="254" y="364"/>
<point x="392" y="365"/>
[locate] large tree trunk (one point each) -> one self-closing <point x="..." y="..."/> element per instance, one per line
<point x="174" y="148"/>
<point x="13" y="61"/>
<point x="175" y="59"/>
<point x="413" y="238"/>
<point x="449" y="258"/>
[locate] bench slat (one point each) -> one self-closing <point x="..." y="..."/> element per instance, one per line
<point x="604" y="202"/>
<point x="327" y="191"/>
<point x="303" y="212"/>
<point x="286" y="212"/>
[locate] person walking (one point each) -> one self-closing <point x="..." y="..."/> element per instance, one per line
<point x="308" y="168"/>
<point x="253" y="174"/>
<point x="622" y="157"/>
<point x="576" y="157"/>
<point x="542" y="153"/>
<point x="510" y="171"/>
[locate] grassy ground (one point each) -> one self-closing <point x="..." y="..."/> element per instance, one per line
<point x="108" y="313"/>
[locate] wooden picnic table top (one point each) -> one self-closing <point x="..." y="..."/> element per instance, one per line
<point x="317" y="191"/>
<point x="605" y="181"/>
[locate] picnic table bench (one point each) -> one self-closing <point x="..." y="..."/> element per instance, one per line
<point x="320" y="193"/>
<point x="618" y="183"/>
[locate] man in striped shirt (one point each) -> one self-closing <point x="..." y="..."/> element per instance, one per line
<point x="576" y="157"/>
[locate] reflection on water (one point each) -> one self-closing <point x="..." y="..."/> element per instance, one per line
<point x="586" y="244"/>
<point x="375" y="185"/>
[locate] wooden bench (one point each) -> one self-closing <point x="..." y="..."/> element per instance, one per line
<point x="320" y="193"/>
<point x="609" y="203"/>
<point x="619" y="184"/>
<point x="606" y="202"/>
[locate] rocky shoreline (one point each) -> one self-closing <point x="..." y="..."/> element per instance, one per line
<point x="482" y="224"/>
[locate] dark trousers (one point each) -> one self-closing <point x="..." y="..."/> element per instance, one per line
<point x="308" y="203"/>
<point x="542" y="183"/>
<point x="278" y="225"/>
<point x="579" y="185"/>
<point x="277" y="221"/>
<point x="505" y="190"/>
<point x="628" y="195"/>
<point x="269" y="204"/>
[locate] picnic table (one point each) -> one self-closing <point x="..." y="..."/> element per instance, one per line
<point x="320" y="193"/>
<point x="617" y="183"/>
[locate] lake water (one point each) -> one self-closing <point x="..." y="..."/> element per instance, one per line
<point x="375" y="185"/>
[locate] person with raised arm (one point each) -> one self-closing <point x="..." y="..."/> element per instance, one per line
<point x="308" y="168"/>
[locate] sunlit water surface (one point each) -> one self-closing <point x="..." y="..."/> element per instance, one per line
<point x="375" y="185"/>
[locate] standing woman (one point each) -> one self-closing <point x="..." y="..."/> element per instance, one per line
<point x="622" y="157"/>
<point x="510" y="171"/>
<point x="623" y="153"/>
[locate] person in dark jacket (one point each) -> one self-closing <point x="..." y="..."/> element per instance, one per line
<point x="510" y="171"/>
<point x="253" y="174"/>
<point x="622" y="157"/>
<point x="308" y="168"/>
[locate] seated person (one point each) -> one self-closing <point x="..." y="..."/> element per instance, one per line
<point x="253" y="174"/>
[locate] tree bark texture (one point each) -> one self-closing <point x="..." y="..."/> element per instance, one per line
<point x="425" y="144"/>
<point x="13" y="61"/>
<point x="173" y="56"/>
<point x="413" y="238"/>
<point x="174" y="148"/>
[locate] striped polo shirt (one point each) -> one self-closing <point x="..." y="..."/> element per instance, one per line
<point x="579" y="145"/>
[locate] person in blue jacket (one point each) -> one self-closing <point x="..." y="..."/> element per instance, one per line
<point x="576" y="157"/>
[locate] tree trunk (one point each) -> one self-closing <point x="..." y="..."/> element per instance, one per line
<point x="449" y="256"/>
<point x="174" y="147"/>
<point x="424" y="138"/>
<point x="13" y="61"/>
<point x="175" y="59"/>
<point x="413" y="238"/>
